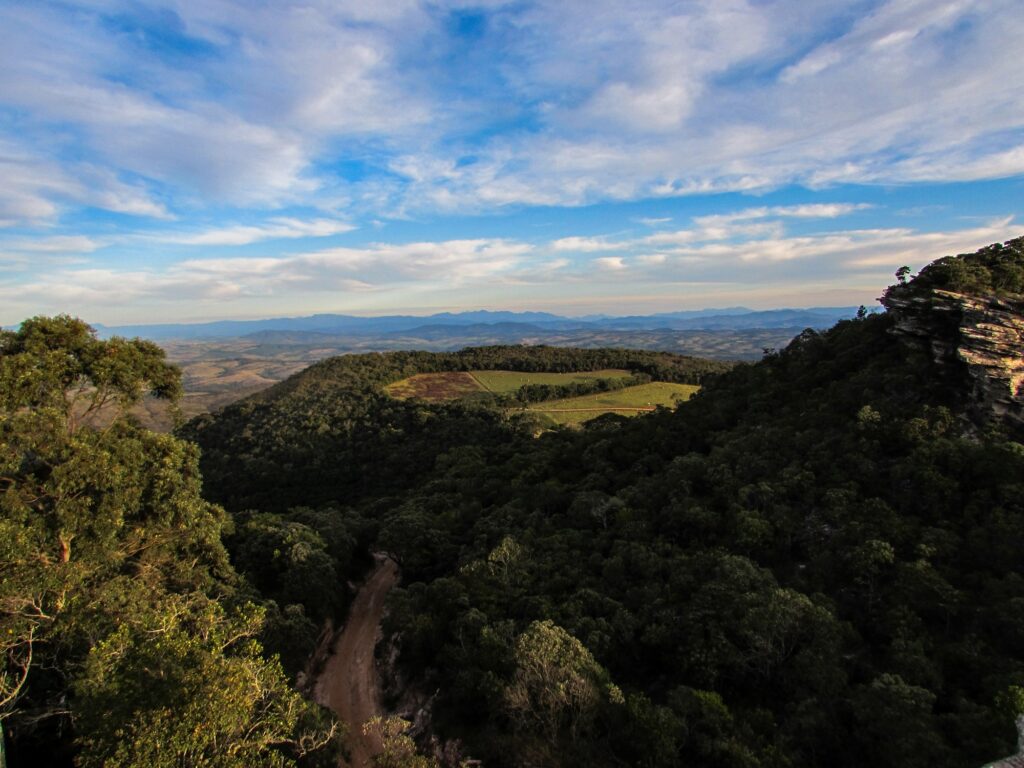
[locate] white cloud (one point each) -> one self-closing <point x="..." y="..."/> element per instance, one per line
<point x="829" y="256"/>
<point x="914" y="90"/>
<point x="746" y="224"/>
<point x="273" y="229"/>
<point x="565" y="103"/>
<point x="242" y="125"/>
<point x="584" y="244"/>
<point x="697" y="273"/>
<point x="802" y="211"/>
<point x="57" y="244"/>
<point x="215" y="281"/>
<point x="35" y="189"/>
<point x="610" y="263"/>
<point x="372" y="111"/>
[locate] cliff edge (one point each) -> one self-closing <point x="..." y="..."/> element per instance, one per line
<point x="968" y="310"/>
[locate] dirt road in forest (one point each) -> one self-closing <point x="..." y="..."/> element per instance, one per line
<point x="348" y="684"/>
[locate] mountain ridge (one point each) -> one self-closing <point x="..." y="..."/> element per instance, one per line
<point x="732" y="318"/>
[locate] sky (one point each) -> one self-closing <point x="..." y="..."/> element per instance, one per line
<point x="191" y="160"/>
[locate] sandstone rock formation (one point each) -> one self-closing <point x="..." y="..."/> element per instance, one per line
<point x="980" y="337"/>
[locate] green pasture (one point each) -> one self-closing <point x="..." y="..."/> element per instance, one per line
<point x="506" y="382"/>
<point x="629" y="402"/>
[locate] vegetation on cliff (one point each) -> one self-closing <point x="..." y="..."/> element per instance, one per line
<point x="996" y="269"/>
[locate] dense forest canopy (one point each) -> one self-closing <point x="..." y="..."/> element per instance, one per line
<point x="332" y="433"/>
<point x="816" y="561"/>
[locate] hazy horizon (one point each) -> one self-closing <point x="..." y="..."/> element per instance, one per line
<point x="429" y="314"/>
<point x="200" y="161"/>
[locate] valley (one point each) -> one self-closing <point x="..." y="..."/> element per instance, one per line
<point x="217" y="372"/>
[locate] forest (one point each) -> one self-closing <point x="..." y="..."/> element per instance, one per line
<point x="815" y="561"/>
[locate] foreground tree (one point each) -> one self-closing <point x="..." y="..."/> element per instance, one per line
<point x="113" y="578"/>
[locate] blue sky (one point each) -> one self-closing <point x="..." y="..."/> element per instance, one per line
<point x="207" y="159"/>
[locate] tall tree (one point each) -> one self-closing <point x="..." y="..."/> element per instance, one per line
<point x="105" y="540"/>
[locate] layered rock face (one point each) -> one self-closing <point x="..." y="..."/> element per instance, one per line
<point x="981" y="336"/>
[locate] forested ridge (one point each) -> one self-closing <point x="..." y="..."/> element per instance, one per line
<point x="816" y="561"/>
<point x="331" y="432"/>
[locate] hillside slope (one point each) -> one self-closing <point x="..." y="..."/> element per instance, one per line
<point x="814" y="562"/>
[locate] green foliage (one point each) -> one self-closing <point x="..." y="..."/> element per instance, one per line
<point x="810" y="563"/>
<point x="999" y="269"/>
<point x="333" y="426"/>
<point x="58" y="364"/>
<point x="114" y="583"/>
<point x="398" y="750"/>
<point x="749" y="569"/>
<point x="187" y="685"/>
<point x="557" y="685"/>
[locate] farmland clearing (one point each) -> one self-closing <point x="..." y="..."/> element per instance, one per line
<point x="572" y="411"/>
<point x="630" y="401"/>
<point x="507" y="382"/>
<point x="435" y="387"/>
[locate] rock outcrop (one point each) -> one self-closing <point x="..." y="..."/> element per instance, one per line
<point x="1014" y="761"/>
<point x="980" y="337"/>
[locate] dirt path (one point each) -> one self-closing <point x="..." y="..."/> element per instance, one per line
<point x="482" y="385"/>
<point x="348" y="684"/>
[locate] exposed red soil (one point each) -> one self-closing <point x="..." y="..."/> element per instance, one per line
<point x="349" y="684"/>
<point x="436" y="386"/>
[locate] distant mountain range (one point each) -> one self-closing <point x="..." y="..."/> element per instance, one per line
<point x="502" y="323"/>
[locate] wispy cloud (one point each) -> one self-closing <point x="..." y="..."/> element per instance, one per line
<point x="610" y="263"/>
<point x="584" y="244"/>
<point x="58" y="244"/>
<point x="805" y="211"/>
<point x="830" y="256"/>
<point x="698" y="269"/>
<point x="339" y="270"/>
<point x="273" y="229"/>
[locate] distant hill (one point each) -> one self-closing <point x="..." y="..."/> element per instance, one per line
<point x="733" y="318"/>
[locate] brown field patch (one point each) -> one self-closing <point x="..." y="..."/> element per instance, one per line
<point x="435" y="386"/>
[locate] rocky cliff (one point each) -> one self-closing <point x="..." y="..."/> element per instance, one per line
<point x="978" y="337"/>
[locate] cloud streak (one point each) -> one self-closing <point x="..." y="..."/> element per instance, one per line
<point x="273" y="229"/>
<point x="698" y="264"/>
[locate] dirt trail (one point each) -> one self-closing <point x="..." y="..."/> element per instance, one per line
<point x="348" y="684"/>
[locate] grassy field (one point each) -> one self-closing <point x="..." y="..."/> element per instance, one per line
<point x="451" y="386"/>
<point x="502" y="382"/>
<point x="568" y="411"/>
<point x="629" y="402"/>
